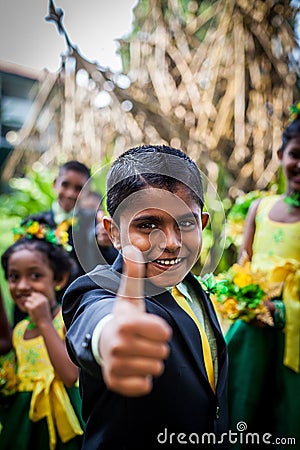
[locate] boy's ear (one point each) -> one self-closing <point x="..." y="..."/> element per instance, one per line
<point x="112" y="230"/>
<point x="204" y="218"/>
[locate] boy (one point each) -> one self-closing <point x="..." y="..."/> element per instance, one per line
<point x="152" y="357"/>
<point x="86" y="250"/>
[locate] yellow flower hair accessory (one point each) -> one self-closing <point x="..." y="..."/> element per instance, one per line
<point x="295" y="111"/>
<point x="34" y="229"/>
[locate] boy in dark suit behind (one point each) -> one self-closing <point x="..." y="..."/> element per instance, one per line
<point x="143" y="332"/>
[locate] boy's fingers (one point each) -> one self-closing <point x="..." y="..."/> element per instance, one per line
<point x="132" y="279"/>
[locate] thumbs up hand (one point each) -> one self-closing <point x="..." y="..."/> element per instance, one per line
<point x="133" y="343"/>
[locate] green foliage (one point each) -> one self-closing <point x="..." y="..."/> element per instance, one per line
<point x="242" y="204"/>
<point x="30" y="194"/>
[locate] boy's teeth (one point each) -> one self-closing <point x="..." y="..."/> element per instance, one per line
<point x="169" y="262"/>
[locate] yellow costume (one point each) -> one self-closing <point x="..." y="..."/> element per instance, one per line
<point x="264" y="375"/>
<point x="276" y="250"/>
<point x="49" y="400"/>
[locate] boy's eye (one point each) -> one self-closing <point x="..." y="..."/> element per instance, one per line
<point x="186" y="224"/>
<point x="147" y="225"/>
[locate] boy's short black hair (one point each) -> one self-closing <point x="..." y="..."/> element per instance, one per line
<point x="76" y="166"/>
<point x="157" y="166"/>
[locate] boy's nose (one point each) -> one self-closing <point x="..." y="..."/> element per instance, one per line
<point x="71" y="193"/>
<point x="172" y="239"/>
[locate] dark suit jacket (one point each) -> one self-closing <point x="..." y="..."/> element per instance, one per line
<point x="181" y="400"/>
<point x="85" y="250"/>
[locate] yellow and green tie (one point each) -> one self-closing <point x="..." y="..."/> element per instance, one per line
<point x="208" y="362"/>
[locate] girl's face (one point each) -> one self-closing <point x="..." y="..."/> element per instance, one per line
<point x="166" y="227"/>
<point x="29" y="271"/>
<point x="290" y="160"/>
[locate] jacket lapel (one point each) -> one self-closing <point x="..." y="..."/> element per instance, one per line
<point x="187" y="328"/>
<point x="221" y="345"/>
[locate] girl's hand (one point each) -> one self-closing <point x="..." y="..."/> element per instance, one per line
<point x="256" y="322"/>
<point x="38" y="308"/>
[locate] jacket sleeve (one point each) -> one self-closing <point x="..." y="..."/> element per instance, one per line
<point x="84" y="305"/>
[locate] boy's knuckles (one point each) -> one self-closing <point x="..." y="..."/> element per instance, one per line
<point x="129" y="386"/>
<point x="122" y="367"/>
<point x="164" y="351"/>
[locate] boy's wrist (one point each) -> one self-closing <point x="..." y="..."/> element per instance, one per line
<point x="97" y="336"/>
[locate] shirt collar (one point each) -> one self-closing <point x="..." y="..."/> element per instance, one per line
<point x="59" y="214"/>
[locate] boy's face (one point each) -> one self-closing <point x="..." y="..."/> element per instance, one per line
<point x="166" y="227"/>
<point x="68" y="186"/>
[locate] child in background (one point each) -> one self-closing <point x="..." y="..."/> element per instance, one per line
<point x="106" y="252"/>
<point x="264" y="378"/>
<point x="41" y="414"/>
<point x="145" y="335"/>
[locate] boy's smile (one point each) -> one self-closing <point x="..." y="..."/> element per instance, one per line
<point x="166" y="227"/>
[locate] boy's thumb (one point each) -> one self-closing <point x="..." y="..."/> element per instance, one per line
<point x="132" y="279"/>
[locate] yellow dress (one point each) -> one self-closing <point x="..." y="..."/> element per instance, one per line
<point x="264" y="377"/>
<point x="276" y="250"/>
<point x="47" y="407"/>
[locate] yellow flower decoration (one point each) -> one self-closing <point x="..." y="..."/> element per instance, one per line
<point x="241" y="293"/>
<point x="295" y="111"/>
<point x="242" y="275"/>
<point x="8" y="377"/>
<point x="34" y="229"/>
<point x="66" y="224"/>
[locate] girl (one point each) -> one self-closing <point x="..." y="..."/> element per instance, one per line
<point x="41" y="414"/>
<point x="264" y="378"/>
